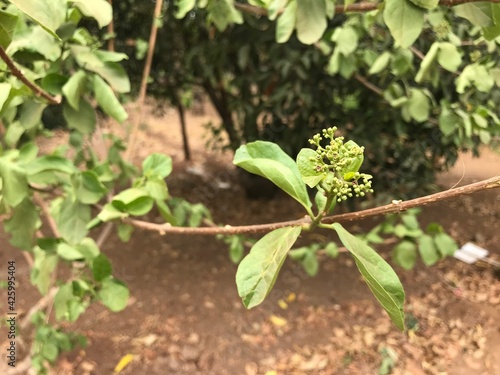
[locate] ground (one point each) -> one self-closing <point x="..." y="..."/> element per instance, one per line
<point x="185" y="316"/>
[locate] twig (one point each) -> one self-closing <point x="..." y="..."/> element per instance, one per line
<point x="396" y="206"/>
<point x="41" y="304"/>
<point x="111" y="31"/>
<point x="106" y="231"/>
<point x="144" y="82"/>
<point x="377" y="90"/>
<point x="37" y="90"/>
<point x="45" y="209"/>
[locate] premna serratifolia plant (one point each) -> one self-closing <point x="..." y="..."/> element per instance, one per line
<point x="333" y="169"/>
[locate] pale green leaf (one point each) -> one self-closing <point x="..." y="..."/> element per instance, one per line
<point x="449" y="57"/>
<point x="50" y="14"/>
<point x="68" y="252"/>
<point x="108" y="101"/>
<point x="74" y="88"/>
<point x="44" y="264"/>
<point x="380" y="63"/>
<point x="445" y="244"/>
<point x="183" y="7"/>
<point x="418" y="105"/>
<point x="426" y="4"/>
<point x="100" y="10"/>
<point x="286" y="22"/>
<point x="7" y="26"/>
<point x="22" y="225"/>
<point x="72" y="220"/>
<point x="14" y="182"/>
<point x="405" y="254"/>
<point x="346" y="39"/>
<point x="378" y="274"/>
<point x="405" y="21"/>
<point x="222" y="13"/>
<point x="4" y="93"/>
<point x="428" y="250"/>
<point x="306" y="167"/>
<point x="478" y="13"/>
<point x="114" y="294"/>
<point x="258" y="271"/>
<point x="157" y="165"/>
<point x="268" y="160"/>
<point x="311" y="20"/>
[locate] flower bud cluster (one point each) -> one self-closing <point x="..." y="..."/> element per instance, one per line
<point x="334" y="160"/>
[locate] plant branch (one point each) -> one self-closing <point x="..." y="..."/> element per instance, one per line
<point x="395" y="206"/>
<point x="377" y="90"/>
<point x="45" y="209"/>
<point x="144" y="82"/>
<point x="111" y="32"/>
<point x="352" y="8"/>
<point x="37" y="90"/>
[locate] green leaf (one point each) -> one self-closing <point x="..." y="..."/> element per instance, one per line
<point x="332" y="250"/>
<point x="380" y="277"/>
<point x="427" y="62"/>
<point x="67" y="305"/>
<point x="236" y="249"/>
<point x="157" y="165"/>
<point x="346" y="39"/>
<point x="125" y="231"/>
<point x="183" y="7"/>
<point x="448" y="121"/>
<point x="380" y="63"/>
<point x="14" y="133"/>
<point x="114" y="294"/>
<point x="110" y="212"/>
<point x="7" y="26"/>
<point x="445" y="244"/>
<point x="54" y="83"/>
<point x="405" y="254"/>
<point x="68" y="252"/>
<point x="286" y="22"/>
<point x="88" y="248"/>
<point x="222" y="13"/>
<point x="108" y="101"/>
<point x="101" y="268"/>
<point x="44" y="264"/>
<point x="4" y="93"/>
<point x="311" y="20"/>
<point x="258" y="271"/>
<point x="50" y="163"/>
<point x="74" y="88"/>
<point x="404" y="20"/>
<point x="23" y="224"/>
<point x="50" y="14"/>
<point x="88" y="189"/>
<point x="268" y="160"/>
<point x="449" y="57"/>
<point x="479" y="14"/>
<point x="306" y="167"/>
<point x="310" y="263"/>
<point x="14" y="182"/>
<point x="72" y="220"/>
<point x="82" y="119"/>
<point x="135" y="201"/>
<point x="31" y="113"/>
<point x="27" y="153"/>
<point x="100" y="10"/>
<point x="476" y="75"/>
<point x="275" y="7"/>
<point x="426" y="4"/>
<point x="418" y="105"/>
<point x="427" y="250"/>
<point x="114" y="74"/>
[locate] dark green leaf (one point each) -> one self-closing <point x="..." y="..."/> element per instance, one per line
<point x="7" y="25"/>
<point x="101" y="267"/>
<point x="87" y="187"/>
<point x="258" y="271"/>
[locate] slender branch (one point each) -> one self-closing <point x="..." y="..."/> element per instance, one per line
<point x="352" y="8"/>
<point x="45" y="209"/>
<point x="395" y="206"/>
<point x="111" y="32"/>
<point x="377" y="90"/>
<point x="144" y="82"/>
<point x="37" y="90"/>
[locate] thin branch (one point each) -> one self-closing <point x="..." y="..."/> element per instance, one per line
<point x="352" y="8"/>
<point x="111" y="32"/>
<point x="395" y="206"/>
<point x="144" y="82"/>
<point x="37" y="90"/>
<point x="40" y="305"/>
<point x="45" y="209"/>
<point x="377" y="90"/>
